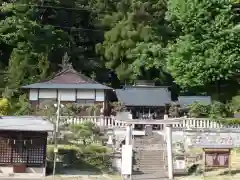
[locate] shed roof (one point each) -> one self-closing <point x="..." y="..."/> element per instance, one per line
<point x="68" y="79"/>
<point x="144" y="96"/>
<point x="187" y="100"/>
<point x="25" y="123"/>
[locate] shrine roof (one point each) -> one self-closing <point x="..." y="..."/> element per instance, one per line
<point x="65" y="86"/>
<point x="68" y="79"/>
<point x="25" y="123"/>
<point x="187" y="100"/>
<point x="144" y="96"/>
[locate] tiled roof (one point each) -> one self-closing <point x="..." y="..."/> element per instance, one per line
<point x="187" y="100"/>
<point x="25" y="123"/>
<point x="68" y="79"/>
<point x="65" y="86"/>
<point x="70" y="76"/>
<point x="144" y="96"/>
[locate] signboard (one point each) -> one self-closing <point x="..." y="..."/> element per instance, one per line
<point x="211" y="140"/>
<point x="216" y="159"/>
<point x="127" y="156"/>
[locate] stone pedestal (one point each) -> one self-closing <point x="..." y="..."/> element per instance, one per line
<point x="169" y="150"/>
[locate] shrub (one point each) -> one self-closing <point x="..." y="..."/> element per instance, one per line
<point x="95" y="156"/>
<point x="218" y="110"/>
<point x="199" y="110"/>
<point x="229" y="121"/>
<point x="235" y="104"/>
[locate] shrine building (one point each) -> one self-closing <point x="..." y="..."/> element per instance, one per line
<point x="23" y="143"/>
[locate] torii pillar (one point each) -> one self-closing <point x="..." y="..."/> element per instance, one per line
<point x="169" y="150"/>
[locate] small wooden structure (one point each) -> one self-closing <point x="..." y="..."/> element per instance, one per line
<point x="216" y="148"/>
<point x="23" y="142"/>
<point x="215" y="158"/>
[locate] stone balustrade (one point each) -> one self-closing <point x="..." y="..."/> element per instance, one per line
<point x="111" y="122"/>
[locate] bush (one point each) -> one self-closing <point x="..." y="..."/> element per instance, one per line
<point x="94" y="156"/>
<point x="218" y="110"/>
<point x="235" y="104"/>
<point x="199" y="110"/>
<point x="229" y="121"/>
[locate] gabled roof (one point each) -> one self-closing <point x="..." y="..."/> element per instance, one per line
<point x="187" y="100"/>
<point x="25" y="123"/>
<point x="65" y="86"/>
<point x="70" y="76"/>
<point x="68" y="79"/>
<point x="144" y="96"/>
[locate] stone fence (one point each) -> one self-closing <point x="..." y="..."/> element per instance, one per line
<point x="111" y="122"/>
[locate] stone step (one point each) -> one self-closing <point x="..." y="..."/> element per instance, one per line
<point x="148" y="163"/>
<point x="150" y="160"/>
<point x="153" y="165"/>
<point x="160" y="172"/>
<point x="155" y="171"/>
<point x="149" y="168"/>
<point x="148" y="157"/>
<point x="151" y="154"/>
<point x="156" y="166"/>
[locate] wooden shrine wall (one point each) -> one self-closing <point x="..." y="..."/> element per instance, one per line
<point x="23" y="147"/>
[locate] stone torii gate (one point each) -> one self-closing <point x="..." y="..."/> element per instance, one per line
<point x="167" y="122"/>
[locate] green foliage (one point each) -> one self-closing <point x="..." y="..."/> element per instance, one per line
<point x="216" y="110"/>
<point x="199" y="110"/>
<point x="188" y="42"/>
<point x="117" y="107"/>
<point x="94" y="109"/>
<point x="48" y="109"/>
<point x="88" y="132"/>
<point x="235" y="104"/>
<point x="228" y="121"/>
<point x="207" y="49"/>
<point x="22" y="106"/>
<point x="133" y="47"/>
<point x="90" y="156"/>
<point x="4" y="106"/>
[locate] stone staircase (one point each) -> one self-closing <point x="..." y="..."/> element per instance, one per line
<point x="149" y="158"/>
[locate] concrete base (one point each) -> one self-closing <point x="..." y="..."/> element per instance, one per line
<point x="30" y="172"/>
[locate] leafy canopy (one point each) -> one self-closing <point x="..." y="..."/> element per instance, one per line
<point x="207" y="48"/>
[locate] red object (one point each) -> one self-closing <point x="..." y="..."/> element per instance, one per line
<point x="19" y="168"/>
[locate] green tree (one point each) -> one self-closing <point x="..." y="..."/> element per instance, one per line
<point x="133" y="47"/>
<point x="31" y="43"/>
<point x="206" y="52"/>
